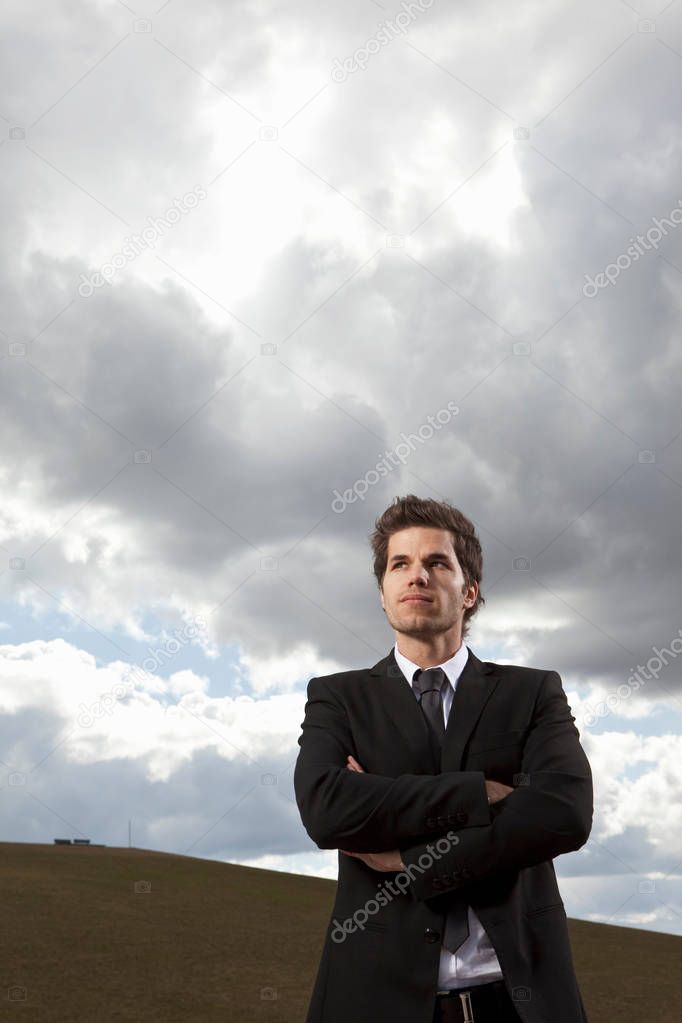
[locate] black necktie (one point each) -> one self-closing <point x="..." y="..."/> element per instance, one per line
<point x="428" y="686"/>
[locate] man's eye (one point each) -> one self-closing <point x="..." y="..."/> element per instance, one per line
<point x="399" y="563"/>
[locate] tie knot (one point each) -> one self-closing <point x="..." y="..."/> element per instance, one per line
<point x="428" y="679"/>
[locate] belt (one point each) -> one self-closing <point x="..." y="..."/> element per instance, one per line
<point x="478" y="1004"/>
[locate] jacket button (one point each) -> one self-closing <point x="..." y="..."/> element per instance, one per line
<point x="429" y="822"/>
<point x="462" y="817"/>
<point x="436" y="882"/>
<point x="430" y="935"/>
<point x="441" y="821"/>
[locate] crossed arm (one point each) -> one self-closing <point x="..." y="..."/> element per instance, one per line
<point x="391" y="861"/>
<point x="367" y="812"/>
<point x="385" y="820"/>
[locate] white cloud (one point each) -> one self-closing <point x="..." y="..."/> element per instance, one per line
<point x="395" y="241"/>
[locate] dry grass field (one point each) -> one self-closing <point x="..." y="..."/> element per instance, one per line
<point x="93" y="935"/>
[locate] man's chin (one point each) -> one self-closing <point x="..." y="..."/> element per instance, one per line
<point x="418" y="623"/>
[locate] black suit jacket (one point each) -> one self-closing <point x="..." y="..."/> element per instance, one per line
<point x="511" y="724"/>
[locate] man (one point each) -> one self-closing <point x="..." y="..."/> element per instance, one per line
<point x="448" y="784"/>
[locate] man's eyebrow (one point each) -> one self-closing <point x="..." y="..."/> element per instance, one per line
<point x="434" y="554"/>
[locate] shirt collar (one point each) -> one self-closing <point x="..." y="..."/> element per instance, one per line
<point x="453" y="667"/>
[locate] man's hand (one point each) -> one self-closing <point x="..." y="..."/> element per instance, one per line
<point x="496" y="790"/>
<point x="385" y="861"/>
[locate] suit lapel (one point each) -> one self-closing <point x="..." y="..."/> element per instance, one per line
<point x="392" y="690"/>
<point x="475" y="687"/>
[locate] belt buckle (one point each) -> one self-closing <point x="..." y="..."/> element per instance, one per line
<point x="467" y="1008"/>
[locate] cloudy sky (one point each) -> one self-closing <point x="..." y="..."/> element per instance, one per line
<point x="251" y="253"/>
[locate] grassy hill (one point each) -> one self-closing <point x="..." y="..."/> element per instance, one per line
<point x="107" y="934"/>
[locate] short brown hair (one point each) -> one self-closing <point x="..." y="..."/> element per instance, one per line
<point x="416" y="511"/>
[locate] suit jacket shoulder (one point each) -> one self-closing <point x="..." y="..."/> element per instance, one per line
<point x="340" y="681"/>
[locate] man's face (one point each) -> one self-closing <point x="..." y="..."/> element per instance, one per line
<point x="422" y="563"/>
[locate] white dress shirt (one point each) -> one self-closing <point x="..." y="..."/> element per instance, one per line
<point x="475" y="961"/>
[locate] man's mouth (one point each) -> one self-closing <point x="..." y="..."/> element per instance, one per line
<point x="416" y="600"/>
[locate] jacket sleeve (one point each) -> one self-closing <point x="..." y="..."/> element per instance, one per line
<point x="548" y="813"/>
<point x="364" y="812"/>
